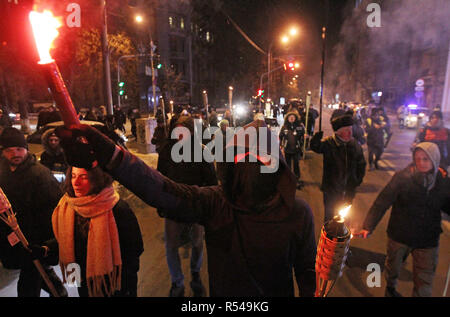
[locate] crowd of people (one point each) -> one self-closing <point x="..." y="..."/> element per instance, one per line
<point x="250" y="221"/>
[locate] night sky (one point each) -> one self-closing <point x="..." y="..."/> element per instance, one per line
<point x="262" y="20"/>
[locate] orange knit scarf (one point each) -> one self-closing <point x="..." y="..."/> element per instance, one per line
<point x="103" y="264"/>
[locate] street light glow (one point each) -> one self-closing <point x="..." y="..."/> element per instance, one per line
<point x="293" y="31"/>
<point x="231" y="88"/>
<point x="139" y="18"/>
<point x="284" y="39"/>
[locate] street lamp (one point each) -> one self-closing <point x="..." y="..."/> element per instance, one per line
<point x="293" y="31"/>
<point x="140" y="19"/>
<point x="284" y="40"/>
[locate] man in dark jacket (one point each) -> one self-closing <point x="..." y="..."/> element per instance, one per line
<point x="375" y="138"/>
<point x="33" y="193"/>
<point x="343" y="164"/>
<point x="417" y="195"/>
<point x="256" y="230"/>
<point x="159" y="135"/>
<point x="435" y="131"/>
<point x="291" y="140"/>
<point x="190" y="173"/>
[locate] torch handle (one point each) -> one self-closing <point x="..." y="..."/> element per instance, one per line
<point x="60" y="94"/>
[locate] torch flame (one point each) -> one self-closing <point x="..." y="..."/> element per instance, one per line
<point x="44" y="27"/>
<point x="344" y="211"/>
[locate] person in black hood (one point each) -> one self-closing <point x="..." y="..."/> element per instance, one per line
<point x="53" y="155"/>
<point x="256" y="230"/>
<point x="343" y="164"/>
<point x="417" y="195"/>
<point x="291" y="140"/>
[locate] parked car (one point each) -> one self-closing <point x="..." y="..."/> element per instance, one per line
<point x="117" y="136"/>
<point x="416" y="116"/>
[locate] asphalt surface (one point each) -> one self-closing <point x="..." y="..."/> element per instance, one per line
<point x="154" y="279"/>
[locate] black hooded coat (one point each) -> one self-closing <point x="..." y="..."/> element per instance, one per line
<point x="252" y="248"/>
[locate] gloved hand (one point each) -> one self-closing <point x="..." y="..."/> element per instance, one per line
<point x="37" y="251"/>
<point x="318" y="135"/>
<point x="84" y="145"/>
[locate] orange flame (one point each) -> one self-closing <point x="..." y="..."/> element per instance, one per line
<point x="44" y="27"/>
<point x="344" y="211"/>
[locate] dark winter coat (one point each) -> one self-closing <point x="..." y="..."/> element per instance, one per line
<point x="249" y="254"/>
<point x="344" y="165"/>
<point x="291" y="135"/>
<point x="33" y="193"/>
<point x="416" y="214"/>
<point x="51" y="158"/>
<point x="159" y="137"/>
<point x="375" y="136"/>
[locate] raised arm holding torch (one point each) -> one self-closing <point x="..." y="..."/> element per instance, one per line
<point x="45" y="27"/>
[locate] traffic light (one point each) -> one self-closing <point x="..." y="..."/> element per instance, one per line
<point x="261" y="93"/>
<point x="159" y="66"/>
<point x="291" y="66"/>
<point x="121" y="88"/>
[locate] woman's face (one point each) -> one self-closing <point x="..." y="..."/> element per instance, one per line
<point x="80" y="182"/>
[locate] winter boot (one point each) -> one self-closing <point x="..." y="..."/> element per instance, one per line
<point x="197" y="286"/>
<point x="176" y="291"/>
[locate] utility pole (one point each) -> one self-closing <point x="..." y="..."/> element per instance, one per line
<point x="322" y="76"/>
<point x="106" y="67"/>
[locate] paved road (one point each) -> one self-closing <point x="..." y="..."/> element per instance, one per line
<point x="154" y="280"/>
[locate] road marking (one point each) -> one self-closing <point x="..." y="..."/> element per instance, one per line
<point x="386" y="164"/>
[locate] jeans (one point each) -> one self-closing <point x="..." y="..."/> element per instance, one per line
<point x="374" y="151"/>
<point x="293" y="159"/>
<point x="174" y="234"/>
<point x="424" y="266"/>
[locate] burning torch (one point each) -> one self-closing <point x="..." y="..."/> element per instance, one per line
<point x="45" y="27"/>
<point x="9" y="217"/>
<point x="332" y="252"/>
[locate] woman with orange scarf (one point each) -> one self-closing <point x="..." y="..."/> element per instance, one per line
<point x="97" y="230"/>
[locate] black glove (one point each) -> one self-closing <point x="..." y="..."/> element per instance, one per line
<point x="37" y="251"/>
<point x="319" y="135"/>
<point x="84" y="145"/>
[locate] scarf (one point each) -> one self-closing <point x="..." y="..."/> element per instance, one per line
<point x="103" y="264"/>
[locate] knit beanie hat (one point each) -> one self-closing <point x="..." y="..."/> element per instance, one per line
<point x="11" y="137"/>
<point x="341" y="121"/>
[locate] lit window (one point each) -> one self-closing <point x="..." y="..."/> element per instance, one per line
<point x="208" y="37"/>
<point x="171" y="22"/>
<point x="182" y="23"/>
